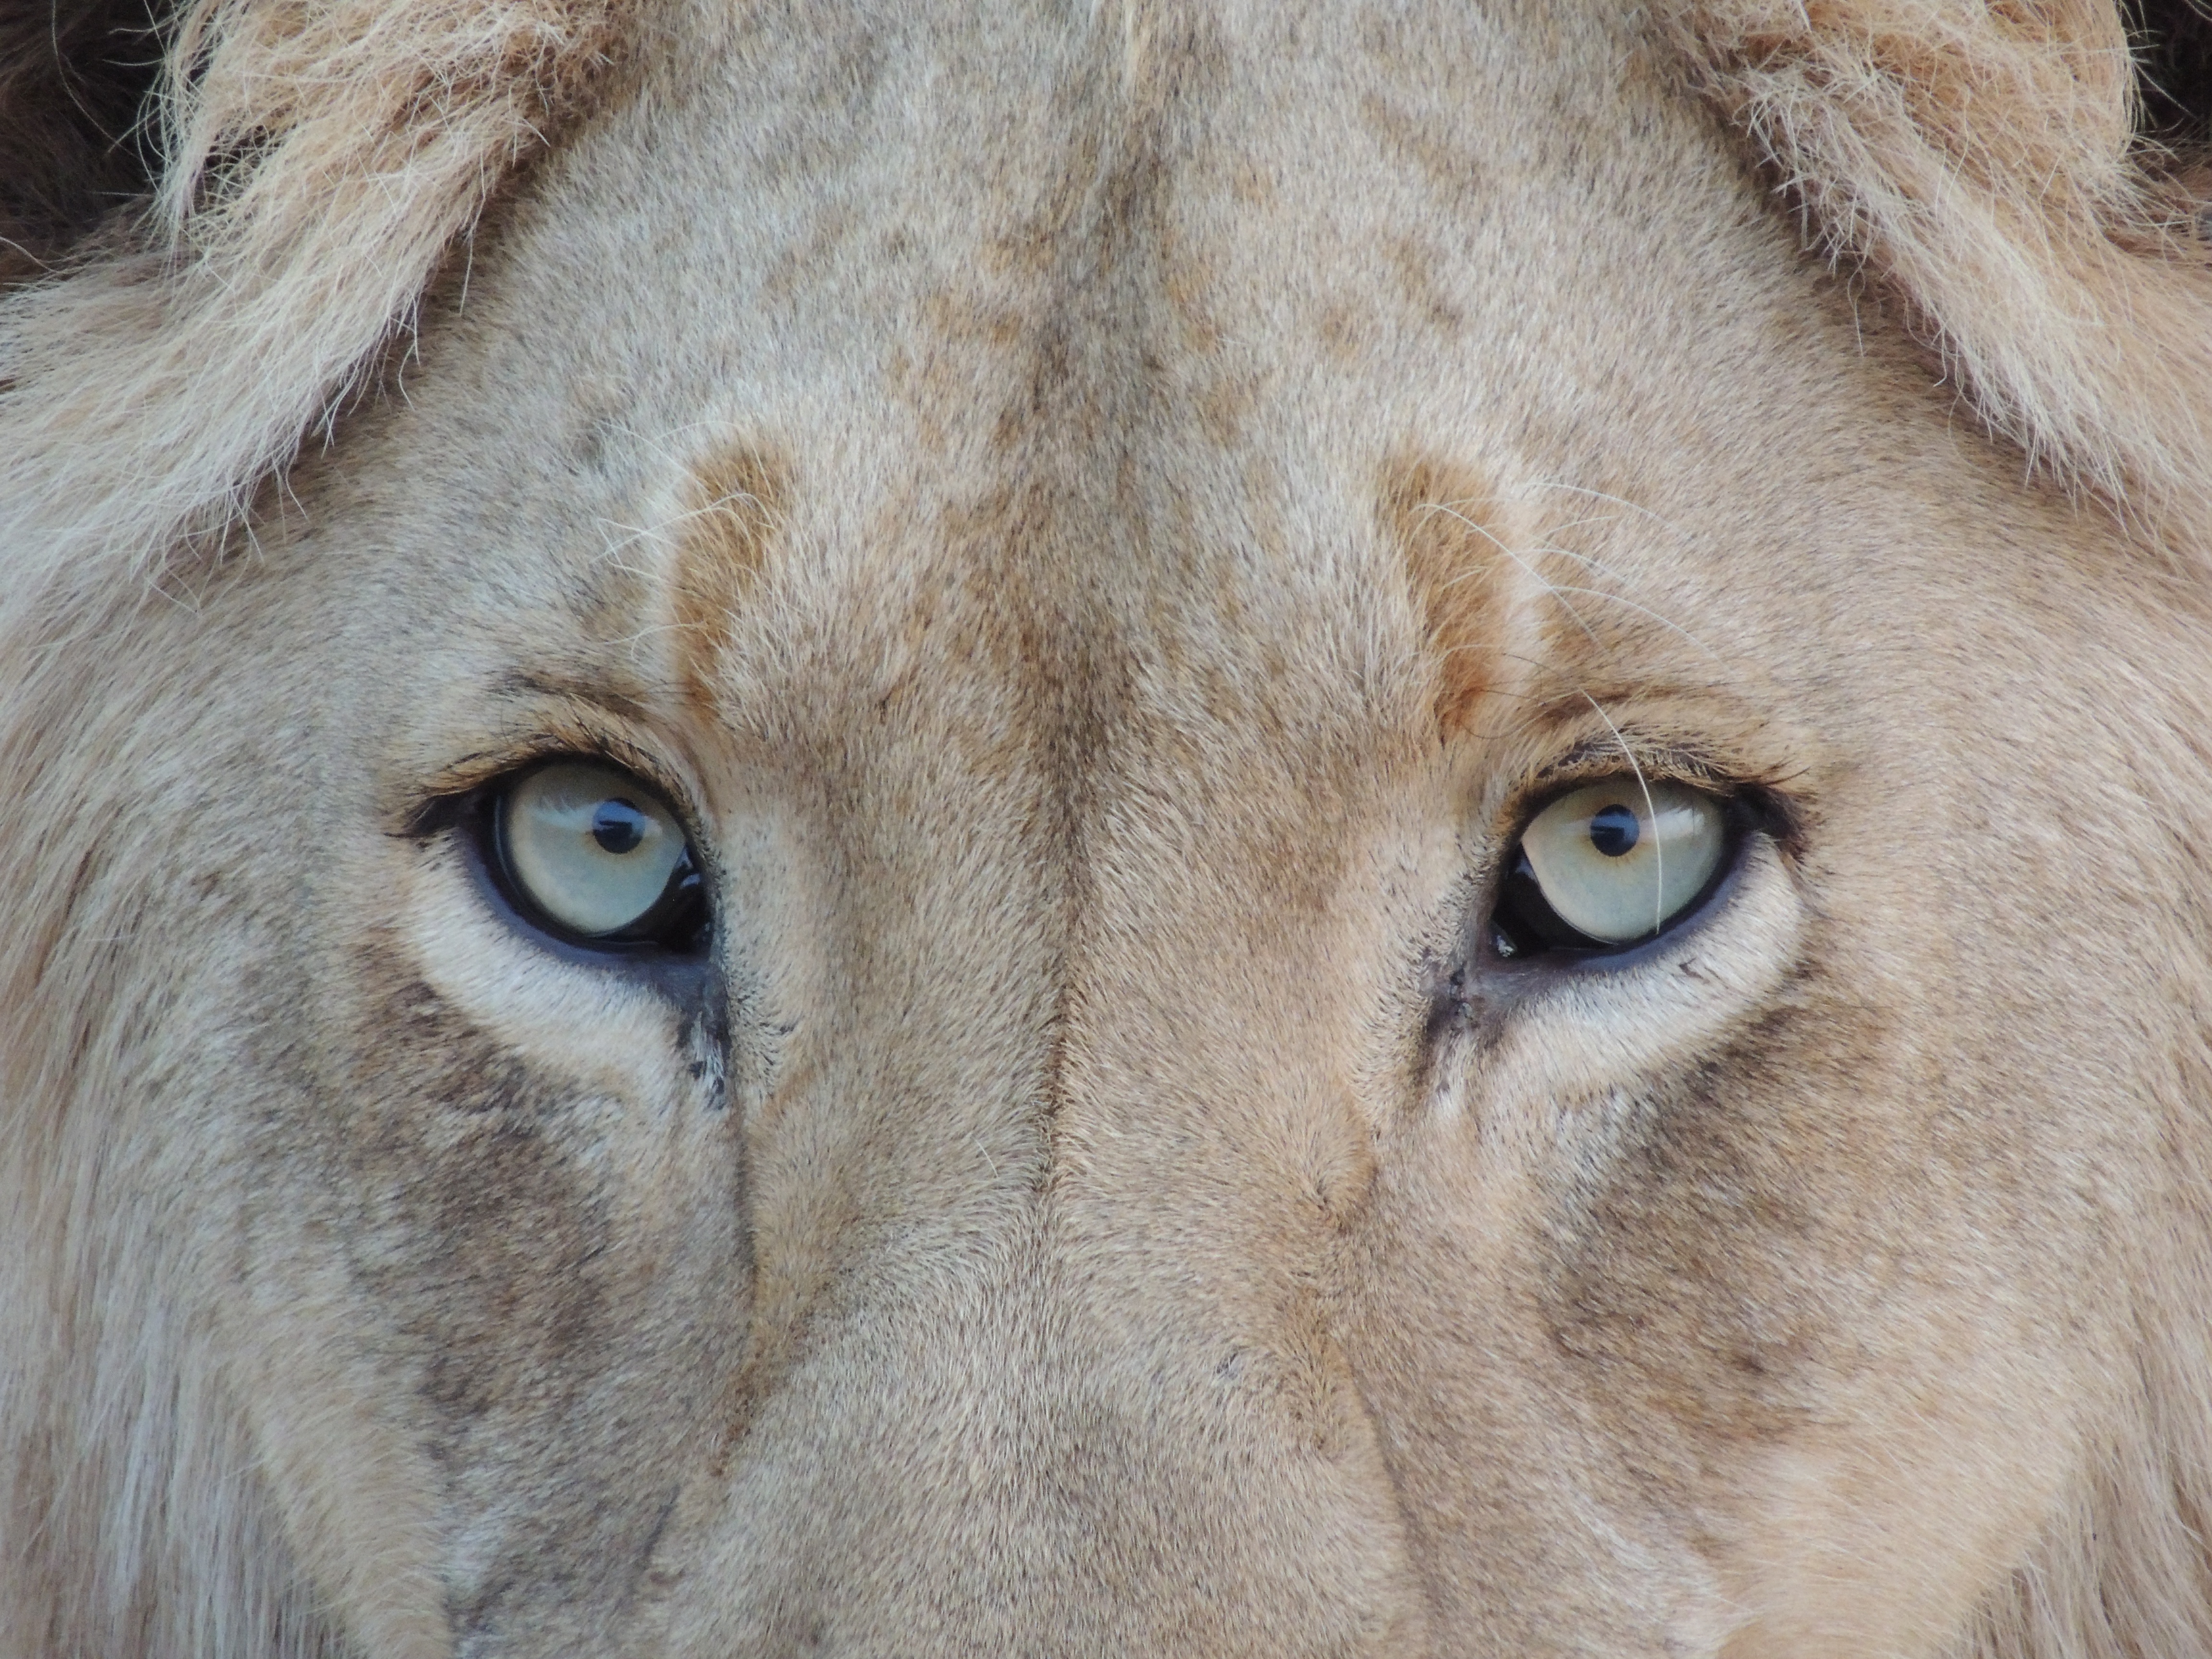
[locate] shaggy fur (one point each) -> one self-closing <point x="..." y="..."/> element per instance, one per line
<point x="1105" y="522"/>
<point x="316" y="162"/>
<point x="1984" y="158"/>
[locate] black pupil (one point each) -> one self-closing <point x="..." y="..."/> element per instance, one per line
<point x="618" y="827"/>
<point x="1613" y="831"/>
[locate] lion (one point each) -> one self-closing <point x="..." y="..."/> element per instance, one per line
<point x="1126" y="829"/>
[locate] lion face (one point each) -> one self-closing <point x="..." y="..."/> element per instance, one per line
<point x="1149" y="834"/>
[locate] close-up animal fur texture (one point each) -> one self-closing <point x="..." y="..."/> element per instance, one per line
<point x="1105" y="828"/>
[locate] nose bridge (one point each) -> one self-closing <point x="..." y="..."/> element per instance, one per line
<point x="1209" y="1175"/>
<point x="1111" y="1420"/>
<point x="1046" y="1209"/>
<point x="1044" y="1217"/>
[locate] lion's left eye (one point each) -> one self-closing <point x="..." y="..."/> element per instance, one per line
<point x="1610" y="865"/>
<point x="592" y="853"/>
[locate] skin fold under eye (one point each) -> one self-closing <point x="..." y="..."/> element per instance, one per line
<point x="1611" y="863"/>
<point x="593" y="854"/>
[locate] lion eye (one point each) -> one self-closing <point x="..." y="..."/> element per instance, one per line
<point x="1611" y="863"/>
<point x="594" y="853"/>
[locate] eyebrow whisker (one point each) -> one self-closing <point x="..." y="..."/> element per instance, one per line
<point x="1534" y="575"/>
<point x="1658" y="842"/>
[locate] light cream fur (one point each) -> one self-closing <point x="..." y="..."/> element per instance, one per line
<point x="318" y="161"/>
<point x="1983" y="158"/>
<point x="1105" y="521"/>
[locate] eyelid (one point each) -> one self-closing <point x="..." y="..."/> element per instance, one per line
<point x="438" y="797"/>
<point x="1595" y="762"/>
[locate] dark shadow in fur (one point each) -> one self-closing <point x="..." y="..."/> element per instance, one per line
<point x="75" y="145"/>
<point x="2173" y="41"/>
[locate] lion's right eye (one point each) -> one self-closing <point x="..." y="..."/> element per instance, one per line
<point x="592" y="853"/>
<point x="1610" y="865"/>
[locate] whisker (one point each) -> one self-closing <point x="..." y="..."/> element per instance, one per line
<point x="1534" y="575"/>
<point x="1618" y="501"/>
<point x="1674" y="627"/>
<point x="1584" y="559"/>
<point x="1658" y="847"/>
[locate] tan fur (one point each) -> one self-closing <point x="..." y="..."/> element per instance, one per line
<point x="1105" y="523"/>
<point x="737" y="498"/>
<point x="1461" y="555"/>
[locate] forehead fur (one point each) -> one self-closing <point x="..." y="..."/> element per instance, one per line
<point x="317" y="166"/>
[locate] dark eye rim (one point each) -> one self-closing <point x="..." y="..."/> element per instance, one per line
<point x="1521" y="932"/>
<point x="679" y="925"/>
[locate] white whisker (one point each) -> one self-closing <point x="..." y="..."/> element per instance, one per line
<point x="1651" y="810"/>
